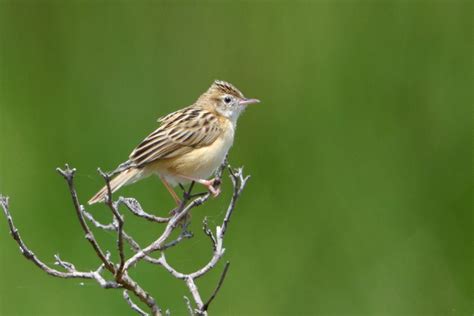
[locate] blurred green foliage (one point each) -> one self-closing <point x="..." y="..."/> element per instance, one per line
<point x="360" y="201"/>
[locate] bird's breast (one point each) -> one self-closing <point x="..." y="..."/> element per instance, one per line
<point x="201" y="162"/>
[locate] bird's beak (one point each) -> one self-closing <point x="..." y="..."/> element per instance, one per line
<point x="248" y="101"/>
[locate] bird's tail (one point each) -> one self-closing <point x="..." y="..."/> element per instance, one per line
<point x="125" y="177"/>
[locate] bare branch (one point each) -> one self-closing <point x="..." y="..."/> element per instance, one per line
<point x="132" y="304"/>
<point x="195" y="293"/>
<point x="64" y="264"/>
<point x="239" y="182"/>
<point x="208" y="232"/>
<point x="178" y="275"/>
<point x="96" y="223"/>
<point x="133" y="244"/>
<point x="180" y="218"/>
<point x="113" y="207"/>
<point x="68" y="174"/>
<point x="122" y="278"/>
<point x="205" y="307"/>
<point x="136" y="209"/>
<point x="129" y="284"/>
<point x="183" y="235"/>
<point x="71" y="273"/>
<point x="101" y="268"/>
<point x="158" y="243"/>
<point x="119" y="240"/>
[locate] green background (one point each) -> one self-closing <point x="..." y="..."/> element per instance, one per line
<point x="360" y="201"/>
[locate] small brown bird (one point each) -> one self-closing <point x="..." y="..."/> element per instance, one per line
<point x="189" y="145"/>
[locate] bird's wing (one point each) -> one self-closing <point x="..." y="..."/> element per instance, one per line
<point x="179" y="133"/>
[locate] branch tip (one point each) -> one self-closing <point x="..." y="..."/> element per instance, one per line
<point x="208" y="232"/>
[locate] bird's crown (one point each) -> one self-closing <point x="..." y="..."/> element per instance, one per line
<point x="226" y="88"/>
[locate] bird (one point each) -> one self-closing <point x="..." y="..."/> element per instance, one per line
<point x="189" y="144"/>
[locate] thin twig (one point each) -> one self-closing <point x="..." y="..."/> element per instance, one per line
<point x="131" y="241"/>
<point x="124" y="280"/>
<point x="71" y="273"/>
<point x="68" y="174"/>
<point x="208" y="232"/>
<point x="113" y="207"/>
<point x="135" y="208"/>
<point x="239" y="182"/>
<point x="132" y="305"/>
<point x="158" y="243"/>
<point x="221" y="280"/>
<point x="96" y="223"/>
<point x="64" y="264"/>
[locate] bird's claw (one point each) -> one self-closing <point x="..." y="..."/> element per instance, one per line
<point x="214" y="186"/>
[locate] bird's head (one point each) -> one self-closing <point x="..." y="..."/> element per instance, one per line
<point x="225" y="99"/>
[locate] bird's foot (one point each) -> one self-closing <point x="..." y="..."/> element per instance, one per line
<point x="214" y="186"/>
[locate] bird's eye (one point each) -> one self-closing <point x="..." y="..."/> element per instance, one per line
<point x="227" y="99"/>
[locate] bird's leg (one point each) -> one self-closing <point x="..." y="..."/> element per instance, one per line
<point x="209" y="184"/>
<point x="187" y="192"/>
<point x="184" y="222"/>
<point x="171" y="191"/>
